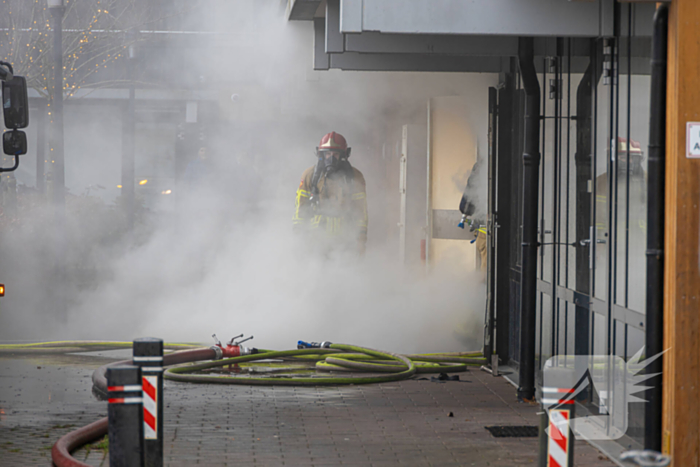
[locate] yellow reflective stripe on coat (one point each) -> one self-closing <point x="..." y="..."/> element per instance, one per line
<point x="358" y="196"/>
<point x="297" y="204"/>
<point x="483" y="231"/>
<point x="334" y="225"/>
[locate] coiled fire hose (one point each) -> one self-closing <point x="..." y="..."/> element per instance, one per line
<point x="333" y="358"/>
<point x="326" y="357"/>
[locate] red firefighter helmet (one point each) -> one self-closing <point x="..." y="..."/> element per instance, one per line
<point x="334" y="142"/>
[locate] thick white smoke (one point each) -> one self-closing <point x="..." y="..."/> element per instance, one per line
<point x="222" y="258"/>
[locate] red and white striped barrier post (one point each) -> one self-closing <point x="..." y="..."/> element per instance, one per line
<point x="148" y="354"/>
<point x="559" y="404"/>
<point x="125" y="416"/>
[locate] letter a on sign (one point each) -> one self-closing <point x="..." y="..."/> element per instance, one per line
<point x="692" y="134"/>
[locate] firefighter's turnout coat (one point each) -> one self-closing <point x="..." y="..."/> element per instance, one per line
<point x="340" y="213"/>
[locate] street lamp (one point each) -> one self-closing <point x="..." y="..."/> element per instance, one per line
<point x="56" y="7"/>
<point x="128" y="134"/>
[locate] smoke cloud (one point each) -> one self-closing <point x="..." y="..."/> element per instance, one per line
<point x="219" y="255"/>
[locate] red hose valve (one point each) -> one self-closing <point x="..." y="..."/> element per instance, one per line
<point x="233" y="349"/>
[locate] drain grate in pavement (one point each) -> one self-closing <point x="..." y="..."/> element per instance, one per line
<point x="513" y="431"/>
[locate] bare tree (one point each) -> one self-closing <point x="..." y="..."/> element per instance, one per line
<point x="97" y="35"/>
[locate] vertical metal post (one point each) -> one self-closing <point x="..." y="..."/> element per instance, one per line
<point x="656" y="223"/>
<point x="504" y="231"/>
<point x="531" y="162"/>
<point x="584" y="161"/>
<point x="125" y="416"/>
<point x="556" y="190"/>
<point x="491" y="244"/>
<point x="148" y="354"/>
<point x="128" y="163"/>
<point x="58" y="175"/>
<point x="494" y="365"/>
<point x="568" y="192"/>
<point x="613" y="50"/>
<point x="630" y="15"/>
<point x="429" y="194"/>
<point x="56" y="157"/>
<point x="41" y="145"/>
<point x="129" y="140"/>
<point x="403" y="179"/>
<point x="543" y="439"/>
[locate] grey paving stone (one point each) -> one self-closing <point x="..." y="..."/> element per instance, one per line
<point x="404" y="423"/>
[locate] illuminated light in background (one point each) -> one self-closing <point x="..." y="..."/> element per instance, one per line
<point x="143" y="182"/>
<point x="119" y="186"/>
<point x="166" y="192"/>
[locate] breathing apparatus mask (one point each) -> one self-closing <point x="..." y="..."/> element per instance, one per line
<point x="333" y="159"/>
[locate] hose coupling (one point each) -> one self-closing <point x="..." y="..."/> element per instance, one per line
<point x="313" y="345"/>
<point x="462" y="222"/>
<point x="219" y="352"/>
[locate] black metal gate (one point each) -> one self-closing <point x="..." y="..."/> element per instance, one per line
<point x="507" y="215"/>
<point x="592" y="202"/>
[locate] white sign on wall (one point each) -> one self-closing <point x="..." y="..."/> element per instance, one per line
<point x="692" y="135"/>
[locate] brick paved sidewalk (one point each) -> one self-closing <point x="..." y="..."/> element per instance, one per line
<point x="405" y="423"/>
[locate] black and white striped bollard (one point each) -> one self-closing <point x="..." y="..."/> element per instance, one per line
<point x="148" y="354"/>
<point x="125" y="415"/>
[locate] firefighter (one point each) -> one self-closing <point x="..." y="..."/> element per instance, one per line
<point x="331" y="204"/>
<point x="467" y="206"/>
<point x="629" y="203"/>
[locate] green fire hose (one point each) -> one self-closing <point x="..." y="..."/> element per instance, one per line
<point x="282" y="368"/>
<point x="63" y="347"/>
<point x="336" y="357"/>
